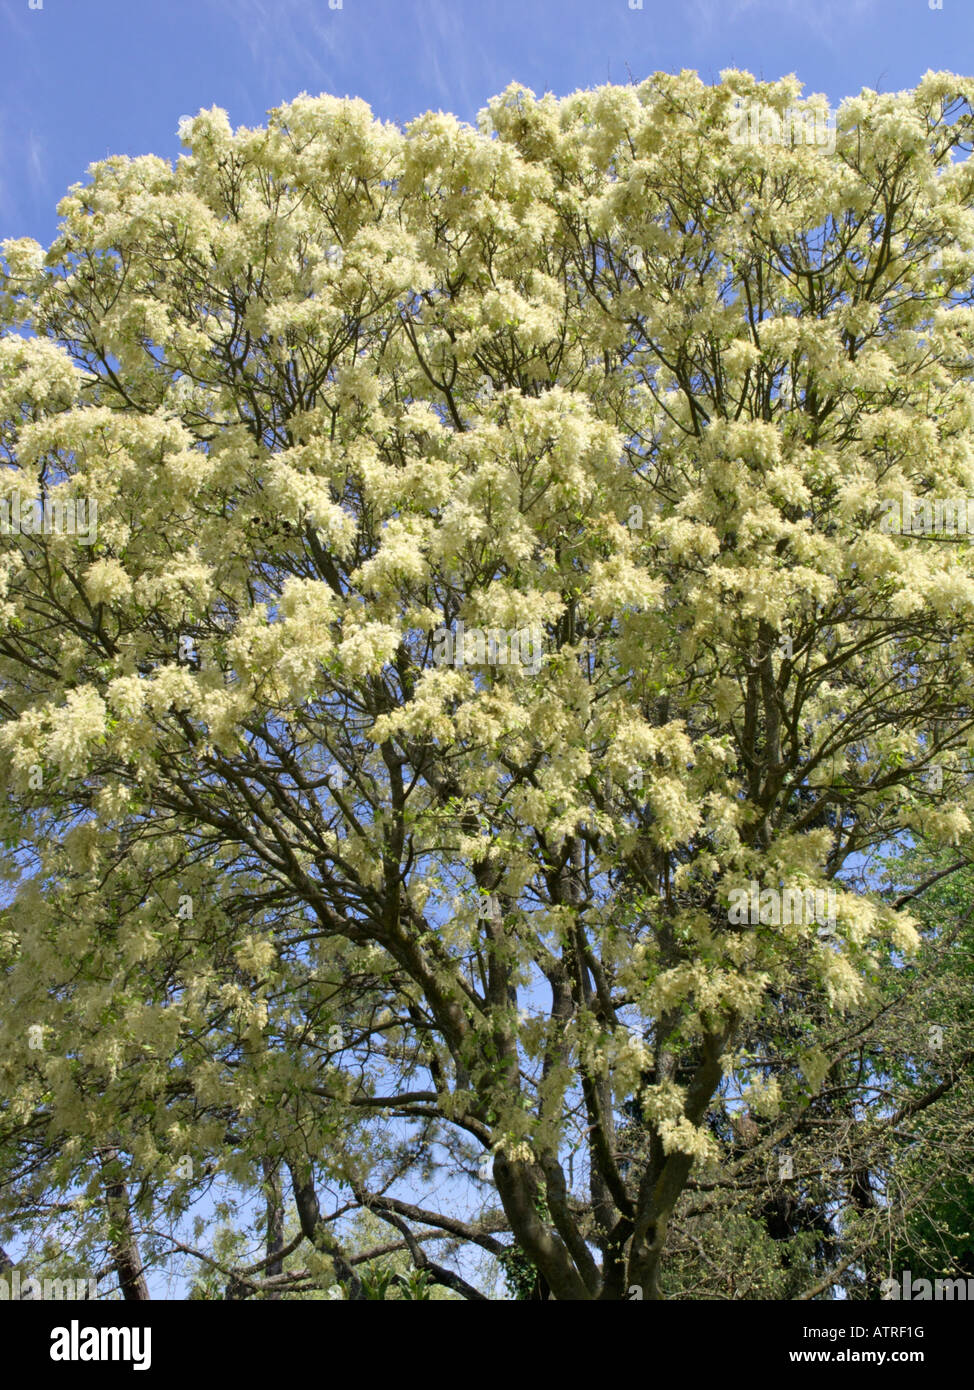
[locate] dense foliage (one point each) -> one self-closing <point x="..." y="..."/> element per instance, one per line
<point x="491" y="579"/>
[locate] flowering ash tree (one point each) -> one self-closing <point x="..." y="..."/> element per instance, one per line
<point x="491" y="587"/>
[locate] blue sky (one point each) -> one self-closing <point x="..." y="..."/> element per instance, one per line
<point x="86" y="78"/>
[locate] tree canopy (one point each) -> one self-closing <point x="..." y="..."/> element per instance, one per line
<point x="489" y="583"/>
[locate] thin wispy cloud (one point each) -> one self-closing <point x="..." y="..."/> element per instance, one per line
<point x="288" y="36"/>
<point x="36" y="165"/>
<point x="446" y="34"/>
<point x="828" y="21"/>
